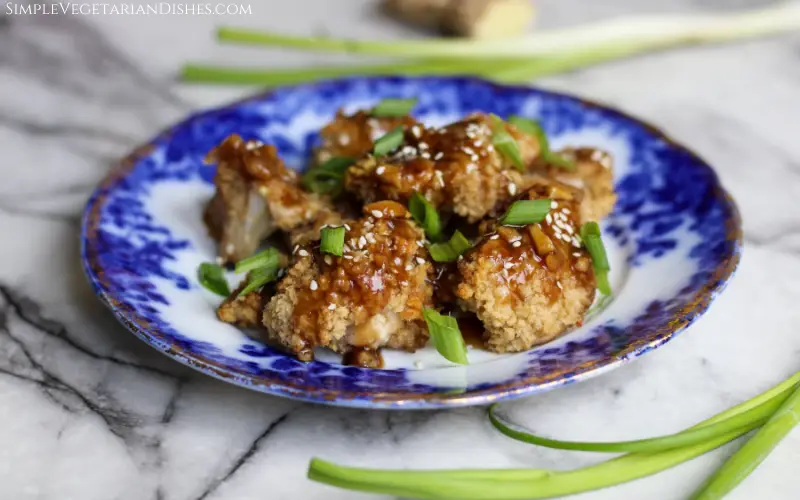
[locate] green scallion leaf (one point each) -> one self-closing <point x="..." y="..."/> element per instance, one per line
<point x="505" y="143"/>
<point x="449" y="251"/>
<point x="753" y="452"/>
<point x="332" y="240"/>
<point x="426" y="216"/>
<point x="389" y="142"/>
<point x="519" y="484"/>
<point x="328" y="178"/>
<point x="394" y="108"/>
<point x="748" y="420"/>
<point x="212" y="277"/>
<point x="524" y="212"/>
<point x="268" y="258"/>
<point x="446" y="336"/>
<point x="258" y="278"/>
<point x="592" y="240"/>
<point x="533" y="128"/>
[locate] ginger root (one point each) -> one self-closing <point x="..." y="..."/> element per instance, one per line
<point x="468" y="18"/>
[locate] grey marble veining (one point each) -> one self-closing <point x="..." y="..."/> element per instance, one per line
<point x="88" y="412"/>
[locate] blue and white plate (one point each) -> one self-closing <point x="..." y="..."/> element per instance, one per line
<point x="674" y="241"/>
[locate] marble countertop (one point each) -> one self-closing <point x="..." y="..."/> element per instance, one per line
<point x="87" y="412"/>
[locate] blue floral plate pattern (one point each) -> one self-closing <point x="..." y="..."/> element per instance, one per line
<point x="674" y="241"/>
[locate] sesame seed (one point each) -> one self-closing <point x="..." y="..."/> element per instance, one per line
<point x="440" y="177"/>
<point x="471" y="167"/>
<point x="554" y="204"/>
<point x="377" y="214"/>
<point x="398" y="261"/>
<point x="566" y="211"/>
<point x="328" y="260"/>
<point x="569" y="229"/>
<point x="478" y="144"/>
<point x="516" y="244"/>
<point x="460" y="257"/>
<point x="331" y="307"/>
<point x="362" y="242"/>
<point x="438" y="156"/>
<point x="566" y="238"/>
<point x="380" y="170"/>
<point x="314" y="285"/>
<point x="474" y="158"/>
<point x="508" y="265"/>
<point x="303" y="252"/>
<point x="229" y="248"/>
<point x="494" y="236"/>
<point x="576" y="254"/>
<point x="490" y="148"/>
<point x="416" y="131"/>
<point x="409" y="267"/>
<point x="426" y="155"/>
<point x="549" y="219"/>
<point x="558" y="284"/>
<point x="420" y="260"/>
<point x="469" y="151"/>
<point x="421" y="243"/>
<point x="423" y="146"/>
<point x="512" y="189"/>
<point x="296" y="247"/>
<point x="348" y="257"/>
<point x="347" y="227"/>
<point x="371" y="237"/>
<point x="344" y="139"/>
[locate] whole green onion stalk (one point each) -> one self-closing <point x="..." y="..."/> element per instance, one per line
<point x="517" y="59"/>
<point x="518" y="484"/>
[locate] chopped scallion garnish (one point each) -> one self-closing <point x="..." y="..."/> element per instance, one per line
<point x="212" y="277"/>
<point x="332" y="240"/>
<point x="592" y="240"/>
<point x="258" y="278"/>
<point x="446" y="336"/>
<point x="524" y="212"/>
<point x="389" y="142"/>
<point x="268" y="258"/>
<point x="533" y="128"/>
<point x="425" y="214"/>
<point x="394" y="108"/>
<point x="505" y="143"/>
<point x="328" y="177"/>
<point x="449" y="251"/>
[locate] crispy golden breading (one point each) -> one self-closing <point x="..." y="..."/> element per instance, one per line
<point x="594" y="174"/>
<point x="530" y="284"/>
<point x="245" y="311"/>
<point x="255" y="195"/>
<point x="455" y="167"/>
<point x="354" y="135"/>
<point x="372" y="296"/>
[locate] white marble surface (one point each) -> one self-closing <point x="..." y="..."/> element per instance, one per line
<point x="87" y="412"/>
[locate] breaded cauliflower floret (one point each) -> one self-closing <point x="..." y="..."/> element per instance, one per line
<point x="455" y="167"/>
<point x="255" y="195"/>
<point x="372" y="296"/>
<point x="354" y="135"/>
<point x="594" y="174"/>
<point x="530" y="284"/>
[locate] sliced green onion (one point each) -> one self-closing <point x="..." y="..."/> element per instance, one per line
<point x="519" y="484"/>
<point x="332" y="240"/>
<point x="753" y="452"/>
<point x="394" y="108"/>
<point x="446" y="336"/>
<point x="524" y="212"/>
<point x="449" y="251"/>
<point x="268" y="258"/>
<point x="593" y="241"/>
<point x="328" y="178"/>
<point x="533" y="128"/>
<point x="505" y="143"/>
<point x="258" y="278"/>
<point x="389" y="142"/>
<point x="212" y="277"/>
<point x="426" y="216"/>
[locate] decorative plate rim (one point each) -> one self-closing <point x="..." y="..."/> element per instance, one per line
<point x="695" y="307"/>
